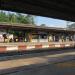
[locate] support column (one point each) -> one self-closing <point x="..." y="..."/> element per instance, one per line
<point x="50" y="38"/>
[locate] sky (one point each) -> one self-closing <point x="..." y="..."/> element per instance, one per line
<point x="48" y="21"/>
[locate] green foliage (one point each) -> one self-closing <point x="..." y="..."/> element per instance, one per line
<point x="72" y="26"/>
<point x="16" y="18"/>
<point x="3" y="17"/>
<point x="43" y="25"/>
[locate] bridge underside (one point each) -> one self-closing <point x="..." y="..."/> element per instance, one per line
<point x="62" y="9"/>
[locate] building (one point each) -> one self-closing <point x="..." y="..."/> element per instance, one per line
<point x="32" y="33"/>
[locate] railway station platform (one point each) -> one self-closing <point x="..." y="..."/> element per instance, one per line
<point x="11" y="66"/>
<point x="29" y="46"/>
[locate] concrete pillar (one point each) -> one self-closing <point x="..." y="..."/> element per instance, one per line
<point x="38" y="38"/>
<point x="53" y="38"/>
<point x="50" y="38"/>
<point x="30" y="37"/>
<point x="74" y="37"/>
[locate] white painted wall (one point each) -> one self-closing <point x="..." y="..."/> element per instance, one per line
<point x="10" y="36"/>
<point x="1" y="38"/>
<point x="34" y="40"/>
<point x="43" y="40"/>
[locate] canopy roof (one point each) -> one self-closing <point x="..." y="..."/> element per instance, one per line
<point x="17" y="26"/>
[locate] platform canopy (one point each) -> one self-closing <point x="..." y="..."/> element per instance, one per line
<point x="61" y="9"/>
<point x="30" y="27"/>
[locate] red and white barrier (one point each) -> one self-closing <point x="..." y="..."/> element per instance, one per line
<point x="12" y="48"/>
<point x="31" y="47"/>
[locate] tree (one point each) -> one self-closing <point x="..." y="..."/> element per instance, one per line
<point x="3" y="17"/>
<point x="16" y="18"/>
<point x="12" y="18"/>
<point x="43" y="25"/>
<point x="30" y="19"/>
<point x="72" y="26"/>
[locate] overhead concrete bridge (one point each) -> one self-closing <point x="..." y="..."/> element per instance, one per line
<point x="61" y="9"/>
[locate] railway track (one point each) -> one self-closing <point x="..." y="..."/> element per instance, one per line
<point x="50" y="69"/>
<point x="36" y="53"/>
<point x="46" y="57"/>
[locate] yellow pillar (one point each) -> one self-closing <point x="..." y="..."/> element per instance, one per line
<point x="30" y="37"/>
